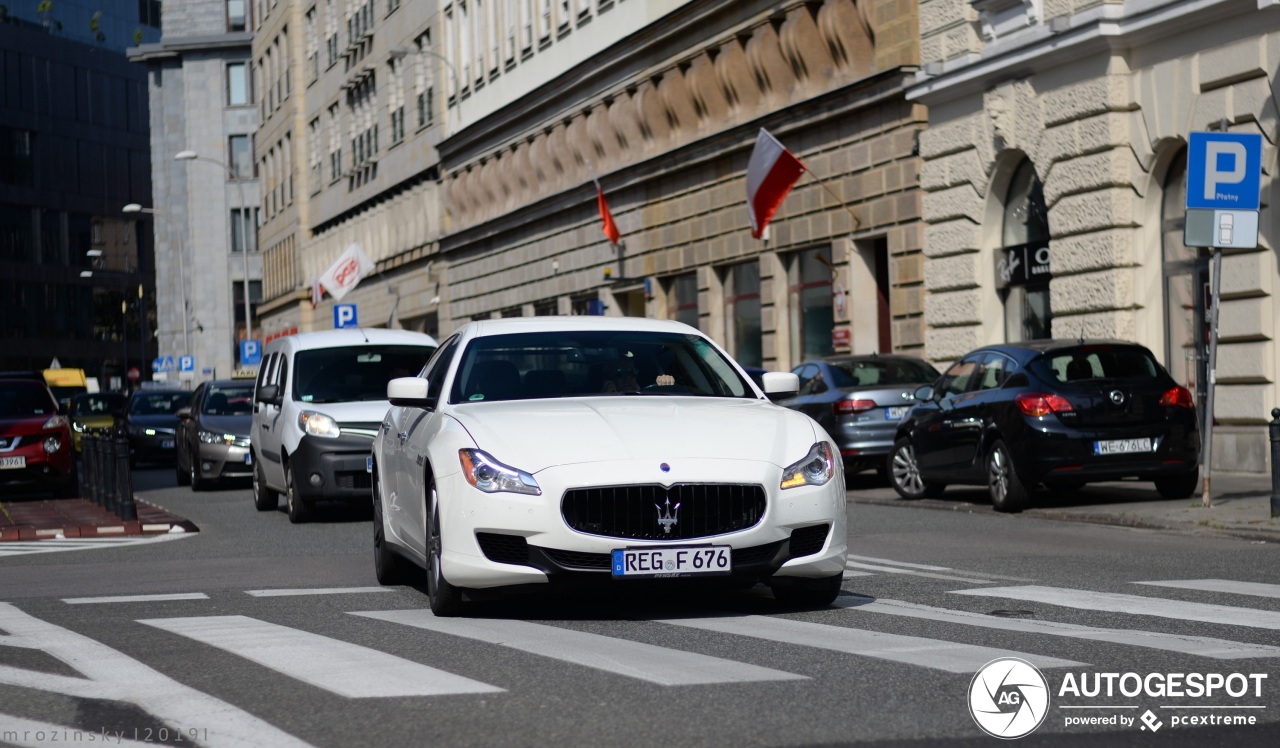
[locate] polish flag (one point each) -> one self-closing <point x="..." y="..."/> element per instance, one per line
<point x="610" y="228"/>
<point x="771" y="173"/>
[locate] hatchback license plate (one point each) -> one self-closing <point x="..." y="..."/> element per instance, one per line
<point x="1121" y="446"/>
<point x="896" y="413"/>
<point x="12" y="463"/>
<point x="166" y="444"/>
<point x="685" y="561"/>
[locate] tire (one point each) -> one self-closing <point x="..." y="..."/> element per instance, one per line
<point x="446" y="600"/>
<point x="264" y="499"/>
<point x="904" y="473"/>
<point x="1179" y="486"/>
<point x="193" y="477"/>
<point x="809" y="593"/>
<point x="387" y="566"/>
<point x="1008" y="492"/>
<point x="299" y="512"/>
<point x="184" y="477"/>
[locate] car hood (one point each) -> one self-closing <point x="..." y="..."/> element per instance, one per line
<point x="22" y="424"/>
<point x="534" y="435"/>
<point x="96" y="421"/>
<point x="237" y="424"/>
<point x="156" y="421"/>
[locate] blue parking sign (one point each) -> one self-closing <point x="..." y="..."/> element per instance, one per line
<point x="250" y="352"/>
<point x="186" y="363"/>
<point x="1224" y="170"/>
<point x="344" y="315"/>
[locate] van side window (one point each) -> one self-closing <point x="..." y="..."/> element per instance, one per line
<point x="264" y="374"/>
<point x="282" y="373"/>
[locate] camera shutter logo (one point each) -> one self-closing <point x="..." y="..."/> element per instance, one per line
<point x="1009" y="698"/>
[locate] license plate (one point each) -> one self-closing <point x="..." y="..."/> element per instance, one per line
<point x="166" y="444"/>
<point x="1121" y="446"/>
<point x="896" y="413"/>
<point x="686" y="561"/>
<point x="12" y="463"/>
<point x="248" y="458"/>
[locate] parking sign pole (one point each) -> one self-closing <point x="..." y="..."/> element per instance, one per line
<point x="1213" y="376"/>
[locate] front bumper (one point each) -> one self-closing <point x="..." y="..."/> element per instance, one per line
<point x="557" y="553"/>
<point x="332" y="469"/>
<point x="41" y="471"/>
<point x="215" y="461"/>
<point x="158" y="447"/>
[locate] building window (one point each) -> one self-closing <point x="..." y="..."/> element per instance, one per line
<point x="1186" y="287"/>
<point x="546" y="308"/>
<point x="1023" y="260"/>
<point x="238" y="217"/>
<point x="682" y="299"/>
<point x="241" y="152"/>
<point x="812" y="315"/>
<point x="236" y="17"/>
<point x="17" y="162"/>
<point x="238" y="84"/>
<point x="742" y="302"/>
<point x="149" y="13"/>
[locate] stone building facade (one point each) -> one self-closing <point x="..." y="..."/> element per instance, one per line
<point x="1057" y="139"/>
<point x="202" y="100"/>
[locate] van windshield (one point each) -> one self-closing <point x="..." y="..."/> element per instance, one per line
<point x="354" y="374"/>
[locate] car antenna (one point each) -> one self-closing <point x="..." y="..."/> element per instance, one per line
<point x="366" y="337"/>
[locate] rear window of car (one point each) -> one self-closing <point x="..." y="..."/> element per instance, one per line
<point x="874" y="372"/>
<point x="19" y="399"/>
<point x="1096" y="363"/>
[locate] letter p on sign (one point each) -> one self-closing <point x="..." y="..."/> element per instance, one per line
<point x="344" y="315"/>
<point x="1224" y="170"/>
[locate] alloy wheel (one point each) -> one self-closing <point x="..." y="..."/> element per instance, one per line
<point x="906" y="472"/>
<point x="998" y="476"/>
<point x="433" y="546"/>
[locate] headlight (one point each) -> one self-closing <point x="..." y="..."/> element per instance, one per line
<point x="79" y="427"/>
<point x="491" y="476"/>
<point x="208" y="437"/>
<point x="815" y="469"/>
<point x="54" y="422"/>
<point x="318" y="424"/>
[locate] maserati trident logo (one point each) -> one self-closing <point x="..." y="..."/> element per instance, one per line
<point x="668" y="518"/>
<point x="1117" y="397"/>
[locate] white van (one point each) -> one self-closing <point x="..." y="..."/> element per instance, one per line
<point x="319" y="399"/>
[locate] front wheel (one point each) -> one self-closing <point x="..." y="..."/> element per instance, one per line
<point x="904" y="473"/>
<point x="1008" y="492"/>
<point x="184" y="477"/>
<point x="446" y="600"/>
<point x="264" y="499"/>
<point x="193" y="477"/>
<point x="299" y="512"/>
<point x="1179" y="486"/>
<point x="386" y="566"/>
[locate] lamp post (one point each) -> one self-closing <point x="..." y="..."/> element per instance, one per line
<point x="182" y="268"/>
<point x="244" y="232"/>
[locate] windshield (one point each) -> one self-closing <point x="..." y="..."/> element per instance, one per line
<point x="229" y="401"/>
<point x="1096" y="362"/>
<point x="875" y="372"/>
<point x="18" y="399"/>
<point x="531" y="366"/>
<point x="158" y="403"/>
<point x="354" y="374"/>
<point x="103" y="404"/>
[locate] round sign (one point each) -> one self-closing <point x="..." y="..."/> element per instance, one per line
<point x="134" y="374"/>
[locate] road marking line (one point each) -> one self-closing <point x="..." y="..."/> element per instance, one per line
<point x="931" y="575"/>
<point x="315" y="591"/>
<point x="1203" y="646"/>
<point x="952" y="657"/>
<point x="1115" y="602"/>
<point x="1257" y="589"/>
<point x="336" y="666"/>
<point x="135" y="598"/>
<point x="661" y="665"/>
<point x="927" y="567"/>
<point x="55" y="545"/>
<point x="23" y="732"/>
<point x="852" y="574"/>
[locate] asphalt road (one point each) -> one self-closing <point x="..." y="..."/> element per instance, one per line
<point x="931" y="597"/>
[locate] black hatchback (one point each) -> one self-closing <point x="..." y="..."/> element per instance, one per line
<point x="1060" y="413"/>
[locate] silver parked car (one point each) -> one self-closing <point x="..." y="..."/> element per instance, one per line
<point x="859" y="400"/>
<point x="213" y="433"/>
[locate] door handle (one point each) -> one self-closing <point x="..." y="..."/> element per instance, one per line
<point x="419" y="460"/>
<point x="404" y="435"/>
<point x="262" y="426"/>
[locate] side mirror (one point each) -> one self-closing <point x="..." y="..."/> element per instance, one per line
<point x="779" y="385"/>
<point x="270" y="394"/>
<point x="924" y="393"/>
<point x="408" y="392"/>
<point x="184" y="414"/>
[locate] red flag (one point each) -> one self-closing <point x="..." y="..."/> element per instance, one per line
<point x="610" y="228"/>
<point x="771" y="173"/>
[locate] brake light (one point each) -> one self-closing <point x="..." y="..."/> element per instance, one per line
<point x="1178" y="397"/>
<point x="1036" y="404"/>
<point x="849" y="407"/>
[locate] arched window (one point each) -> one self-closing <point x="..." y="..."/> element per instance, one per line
<point x="1186" y="280"/>
<point x="1023" y="259"/>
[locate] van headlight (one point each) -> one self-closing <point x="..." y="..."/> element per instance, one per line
<point x="318" y="424"/>
<point x="815" y="469"/>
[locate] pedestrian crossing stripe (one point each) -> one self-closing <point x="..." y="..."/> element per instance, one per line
<point x="56" y="545"/>
<point x="1257" y="589"/>
<point x="1115" y="602"/>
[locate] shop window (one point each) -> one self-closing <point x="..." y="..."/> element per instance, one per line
<point x="812" y="315"/>
<point x="742" y="302"/>
<point x="1023" y="267"/>
<point x="682" y="299"/>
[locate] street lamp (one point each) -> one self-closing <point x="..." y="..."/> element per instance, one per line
<point x="244" y="223"/>
<point x="182" y="268"/>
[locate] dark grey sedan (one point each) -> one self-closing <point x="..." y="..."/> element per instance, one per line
<point x="213" y="433"/>
<point x="859" y="401"/>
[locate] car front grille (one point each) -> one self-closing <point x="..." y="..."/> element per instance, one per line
<point x="652" y="512"/>
<point x="8" y="444"/>
<point x="507" y="549"/>
<point x="808" y="540"/>
<point x="576" y="560"/>
<point x="352" y="480"/>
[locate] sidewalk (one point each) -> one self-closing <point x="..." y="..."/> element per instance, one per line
<point x="1241" y="505"/>
<point x="42" y="519"/>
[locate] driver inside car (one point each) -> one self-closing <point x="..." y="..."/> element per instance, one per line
<point x="623" y="375"/>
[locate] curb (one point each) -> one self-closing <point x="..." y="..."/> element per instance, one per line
<point x="114" y="529"/>
<point x="1095" y="518"/>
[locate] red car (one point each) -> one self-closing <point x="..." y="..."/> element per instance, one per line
<point x="35" y="440"/>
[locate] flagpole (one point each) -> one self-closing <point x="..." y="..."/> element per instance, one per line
<point x="823" y="184"/>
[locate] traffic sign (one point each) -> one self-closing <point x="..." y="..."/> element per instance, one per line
<point x="162" y="364"/>
<point x="187" y="363"/>
<point x="1224" y="170"/>
<point x="344" y="315"/>
<point x="250" y="352"/>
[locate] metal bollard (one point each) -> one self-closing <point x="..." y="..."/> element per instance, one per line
<point x="125" y="508"/>
<point x="88" y="443"/>
<point x="1274" y="428"/>
<point x="107" y="479"/>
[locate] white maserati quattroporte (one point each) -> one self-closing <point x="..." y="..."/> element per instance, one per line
<point x="601" y="451"/>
